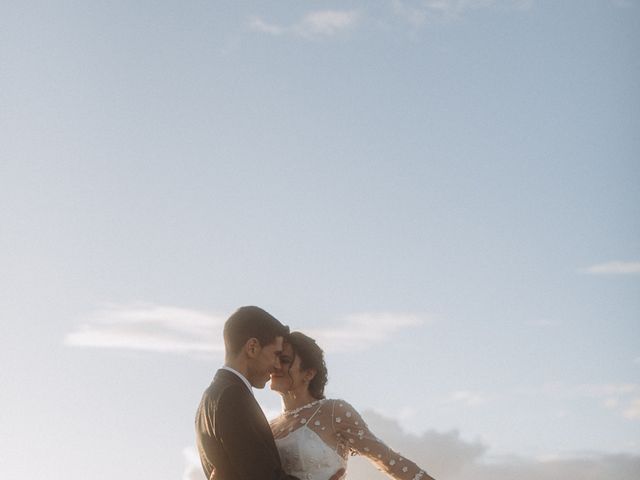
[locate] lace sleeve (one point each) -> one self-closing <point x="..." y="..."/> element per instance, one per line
<point x="353" y="434"/>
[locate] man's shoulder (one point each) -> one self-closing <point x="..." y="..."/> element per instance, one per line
<point x="220" y="397"/>
<point x="225" y="384"/>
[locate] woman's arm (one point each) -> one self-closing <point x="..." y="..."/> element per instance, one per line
<point x="353" y="433"/>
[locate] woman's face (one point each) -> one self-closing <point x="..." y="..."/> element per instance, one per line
<point x="289" y="377"/>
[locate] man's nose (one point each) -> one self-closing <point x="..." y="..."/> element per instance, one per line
<point x="277" y="365"/>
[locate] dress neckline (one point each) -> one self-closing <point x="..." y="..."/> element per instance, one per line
<point x="295" y="411"/>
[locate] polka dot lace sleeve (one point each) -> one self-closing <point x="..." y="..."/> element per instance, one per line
<point x="354" y="435"/>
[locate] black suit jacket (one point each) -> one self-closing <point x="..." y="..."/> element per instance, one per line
<point x="233" y="436"/>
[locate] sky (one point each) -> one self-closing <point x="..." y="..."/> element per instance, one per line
<point x="444" y="193"/>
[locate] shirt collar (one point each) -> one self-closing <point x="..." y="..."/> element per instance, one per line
<point x="242" y="377"/>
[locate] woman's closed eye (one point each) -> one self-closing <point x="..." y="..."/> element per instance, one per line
<point x="285" y="360"/>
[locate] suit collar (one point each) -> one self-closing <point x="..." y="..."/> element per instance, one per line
<point x="237" y="375"/>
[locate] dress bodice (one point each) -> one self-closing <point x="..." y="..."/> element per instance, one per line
<point x="315" y="441"/>
<point x="306" y="456"/>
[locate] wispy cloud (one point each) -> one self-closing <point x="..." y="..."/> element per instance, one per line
<point x="151" y="328"/>
<point x="542" y="323"/>
<point x="632" y="411"/>
<point x="317" y="24"/>
<point x="168" y="329"/>
<point x="415" y="15"/>
<point x="468" y="398"/>
<point x="363" y="330"/>
<point x="614" y="268"/>
<point x="622" y="3"/>
<point x="561" y="390"/>
<point x="417" y="12"/>
<point x="326" y="23"/>
<point x="448" y="455"/>
<point x="622" y="398"/>
<point x="259" y="25"/>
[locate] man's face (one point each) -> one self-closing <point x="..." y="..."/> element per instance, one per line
<point x="266" y="361"/>
<point x="290" y="376"/>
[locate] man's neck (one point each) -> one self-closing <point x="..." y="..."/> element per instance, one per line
<point x="238" y="366"/>
<point x="240" y="375"/>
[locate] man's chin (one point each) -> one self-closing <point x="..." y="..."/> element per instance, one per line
<point x="259" y="384"/>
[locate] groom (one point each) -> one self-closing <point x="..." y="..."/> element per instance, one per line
<point x="232" y="434"/>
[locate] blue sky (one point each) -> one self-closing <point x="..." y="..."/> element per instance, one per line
<point x="443" y="192"/>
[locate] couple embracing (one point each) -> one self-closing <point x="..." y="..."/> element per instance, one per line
<point x="313" y="436"/>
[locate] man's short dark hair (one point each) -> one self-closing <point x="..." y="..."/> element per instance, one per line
<point x="251" y="322"/>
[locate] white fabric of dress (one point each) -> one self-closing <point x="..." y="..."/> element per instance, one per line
<point x="306" y="456"/>
<point x="315" y="441"/>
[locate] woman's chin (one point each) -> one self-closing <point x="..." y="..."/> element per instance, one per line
<point x="275" y="387"/>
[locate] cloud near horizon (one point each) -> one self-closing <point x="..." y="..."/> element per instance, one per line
<point x="621" y="399"/>
<point x="614" y="268"/>
<point x="448" y="455"/>
<point x="168" y="329"/>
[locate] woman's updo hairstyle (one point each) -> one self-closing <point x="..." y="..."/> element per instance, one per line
<point x="311" y="356"/>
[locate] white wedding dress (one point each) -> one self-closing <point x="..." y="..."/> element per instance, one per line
<point x="306" y="456"/>
<point x="314" y="442"/>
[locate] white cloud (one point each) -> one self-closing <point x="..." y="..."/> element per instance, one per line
<point x="193" y="468"/>
<point x="621" y="398"/>
<point x="607" y="389"/>
<point x="584" y="390"/>
<point x="622" y="3"/>
<point x="468" y="398"/>
<point x="460" y="6"/>
<point x="415" y="15"/>
<point x="260" y="25"/>
<point x="614" y="268"/>
<point x="632" y="412"/>
<point x="612" y="396"/>
<point x="363" y="330"/>
<point x="167" y="329"/>
<point x="448" y="455"/>
<point x="324" y="23"/>
<point x="611" y="402"/>
<point x="152" y="328"/>
<point x="417" y="12"/>
<point x="542" y="323"/>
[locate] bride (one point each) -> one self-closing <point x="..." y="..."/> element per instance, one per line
<point x="315" y="435"/>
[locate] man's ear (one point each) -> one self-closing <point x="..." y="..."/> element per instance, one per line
<point x="252" y="347"/>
